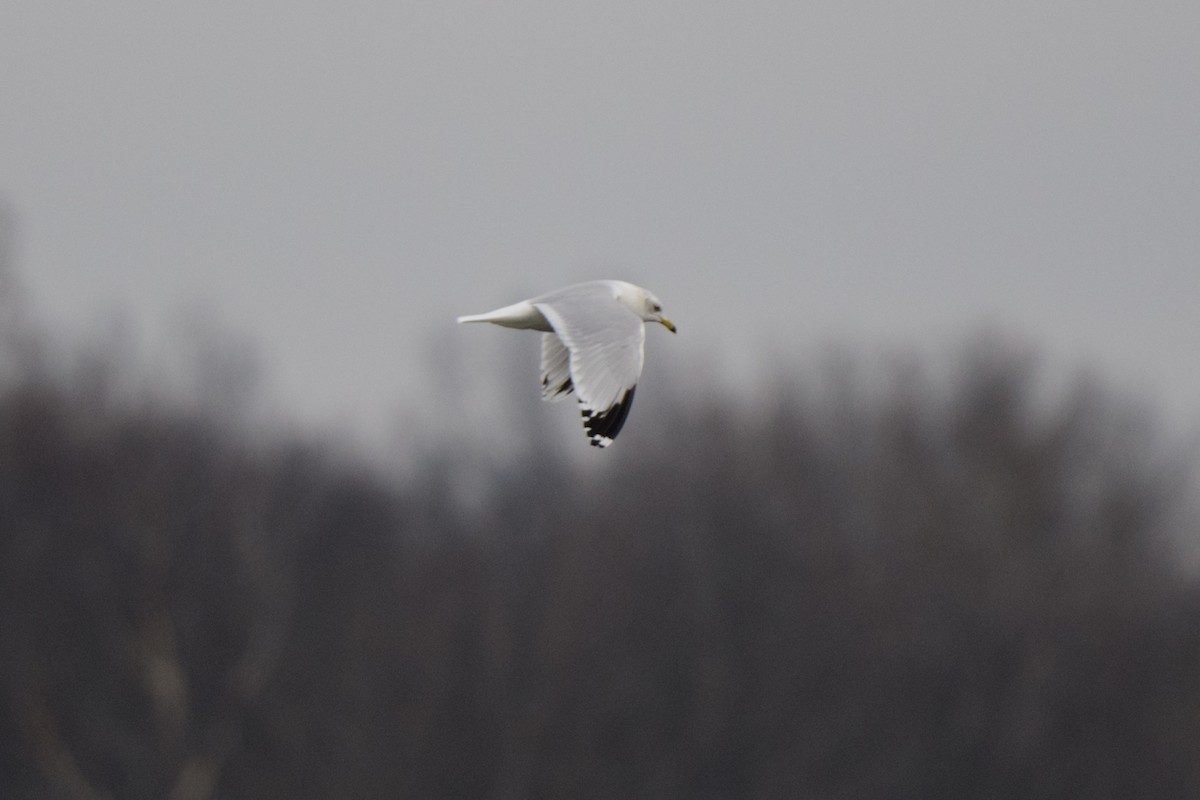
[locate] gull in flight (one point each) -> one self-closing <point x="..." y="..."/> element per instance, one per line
<point x="592" y="341"/>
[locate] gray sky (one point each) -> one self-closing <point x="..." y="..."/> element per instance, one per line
<point x="336" y="181"/>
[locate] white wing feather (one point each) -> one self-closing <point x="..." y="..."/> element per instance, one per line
<point x="556" y="368"/>
<point x="605" y="343"/>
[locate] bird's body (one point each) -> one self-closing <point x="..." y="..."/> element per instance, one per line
<point x="592" y="346"/>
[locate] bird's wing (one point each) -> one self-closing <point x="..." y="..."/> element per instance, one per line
<point x="556" y="368"/>
<point x="604" y="341"/>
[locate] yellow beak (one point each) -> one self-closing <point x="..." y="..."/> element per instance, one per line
<point x="666" y="323"/>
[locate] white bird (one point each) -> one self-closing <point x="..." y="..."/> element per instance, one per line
<point x="591" y="346"/>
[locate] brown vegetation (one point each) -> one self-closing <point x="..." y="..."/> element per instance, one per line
<point x="913" y="593"/>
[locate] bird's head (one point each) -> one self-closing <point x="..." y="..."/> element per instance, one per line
<point x="652" y="311"/>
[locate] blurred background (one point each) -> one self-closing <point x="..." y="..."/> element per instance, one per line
<point x="907" y="508"/>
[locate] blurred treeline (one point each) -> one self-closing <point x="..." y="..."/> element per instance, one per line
<point x="899" y="586"/>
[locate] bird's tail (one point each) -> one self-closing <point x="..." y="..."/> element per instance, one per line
<point x="518" y="315"/>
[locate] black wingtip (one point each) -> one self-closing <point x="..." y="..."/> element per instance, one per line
<point x="602" y="427"/>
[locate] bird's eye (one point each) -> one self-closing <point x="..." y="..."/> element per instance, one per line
<point x="656" y="307"/>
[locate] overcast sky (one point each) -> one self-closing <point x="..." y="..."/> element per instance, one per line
<point x="337" y="181"/>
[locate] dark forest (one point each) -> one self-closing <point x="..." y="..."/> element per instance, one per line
<point x="954" y="588"/>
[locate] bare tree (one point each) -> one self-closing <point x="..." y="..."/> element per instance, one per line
<point x="911" y="588"/>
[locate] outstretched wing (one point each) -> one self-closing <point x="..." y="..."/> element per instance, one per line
<point x="556" y="368"/>
<point x="604" y="342"/>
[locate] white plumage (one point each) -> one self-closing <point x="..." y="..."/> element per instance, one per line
<point x="592" y="346"/>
